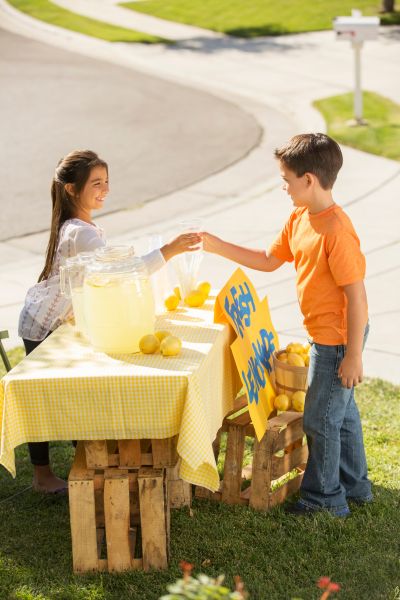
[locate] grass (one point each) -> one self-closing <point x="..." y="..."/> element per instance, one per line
<point x="278" y="556"/>
<point x="258" y="17"/>
<point x="44" y="10"/>
<point x="380" y="136"/>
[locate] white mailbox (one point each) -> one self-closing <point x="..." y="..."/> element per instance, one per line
<point x="356" y="29"/>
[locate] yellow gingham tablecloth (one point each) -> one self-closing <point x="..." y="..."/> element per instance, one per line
<point x="65" y="390"/>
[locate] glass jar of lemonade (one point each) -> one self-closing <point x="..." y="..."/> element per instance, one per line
<point x="118" y="300"/>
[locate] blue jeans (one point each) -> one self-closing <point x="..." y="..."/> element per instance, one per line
<point x="336" y="468"/>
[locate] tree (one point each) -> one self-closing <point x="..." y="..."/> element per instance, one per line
<point x="387" y="6"/>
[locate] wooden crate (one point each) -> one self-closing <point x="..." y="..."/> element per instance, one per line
<point x="119" y="517"/>
<point x="281" y="450"/>
<point x="129" y="454"/>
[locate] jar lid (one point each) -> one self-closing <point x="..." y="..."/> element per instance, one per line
<point x="114" y="253"/>
<point x="117" y="259"/>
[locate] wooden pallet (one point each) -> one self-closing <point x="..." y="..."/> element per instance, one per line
<point x="133" y="454"/>
<point x="110" y="508"/>
<point x="281" y="450"/>
<point x="130" y="454"/>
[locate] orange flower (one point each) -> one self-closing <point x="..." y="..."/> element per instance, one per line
<point x="187" y="569"/>
<point x="323" y="582"/>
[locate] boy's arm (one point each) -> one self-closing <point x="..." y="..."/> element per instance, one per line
<point x="255" y="259"/>
<point x="351" y="369"/>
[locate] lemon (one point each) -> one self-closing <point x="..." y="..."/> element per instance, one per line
<point x="282" y="402"/>
<point x="177" y="292"/>
<point x="306" y="360"/>
<point x="204" y="287"/>
<point x="296" y="360"/>
<point x="297" y="348"/>
<point x="160" y="335"/>
<point x="283" y="357"/>
<point x="171" y="303"/>
<point x="306" y="348"/>
<point x="170" y="346"/>
<point x="195" y="298"/>
<point x="298" y="400"/>
<point x="149" y="344"/>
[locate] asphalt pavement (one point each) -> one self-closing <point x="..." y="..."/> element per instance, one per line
<point x="157" y="136"/>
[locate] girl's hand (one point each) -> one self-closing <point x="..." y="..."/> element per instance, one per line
<point x="186" y="242"/>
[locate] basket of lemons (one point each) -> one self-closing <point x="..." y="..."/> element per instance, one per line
<point x="291" y="372"/>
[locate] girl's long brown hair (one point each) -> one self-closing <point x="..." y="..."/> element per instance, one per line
<point x="74" y="168"/>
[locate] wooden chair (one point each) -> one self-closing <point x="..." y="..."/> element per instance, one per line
<point x="3" y="335"/>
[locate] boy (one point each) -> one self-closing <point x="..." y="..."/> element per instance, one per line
<point x="330" y="268"/>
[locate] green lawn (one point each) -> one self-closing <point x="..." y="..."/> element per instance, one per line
<point x="258" y="17"/>
<point x="380" y="136"/>
<point x="278" y="556"/>
<point x="44" y="10"/>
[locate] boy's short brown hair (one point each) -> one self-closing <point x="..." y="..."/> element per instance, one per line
<point x="314" y="153"/>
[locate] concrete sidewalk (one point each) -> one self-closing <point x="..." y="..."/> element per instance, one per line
<point x="274" y="79"/>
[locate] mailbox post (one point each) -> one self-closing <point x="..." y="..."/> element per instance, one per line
<point x="357" y="29"/>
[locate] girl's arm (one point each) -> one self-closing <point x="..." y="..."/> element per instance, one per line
<point x="254" y="259"/>
<point x="351" y="368"/>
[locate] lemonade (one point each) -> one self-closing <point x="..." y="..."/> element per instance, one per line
<point x="119" y="310"/>
<point x="79" y="313"/>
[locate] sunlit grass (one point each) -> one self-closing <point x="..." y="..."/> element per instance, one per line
<point x="380" y="135"/>
<point x="258" y="17"/>
<point x="45" y="10"/>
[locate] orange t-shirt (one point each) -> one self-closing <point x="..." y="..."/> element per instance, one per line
<point x="326" y="253"/>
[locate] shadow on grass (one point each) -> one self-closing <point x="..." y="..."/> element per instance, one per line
<point x="260" y="31"/>
<point x="391" y="19"/>
<point x="278" y="556"/>
<point x="247" y="44"/>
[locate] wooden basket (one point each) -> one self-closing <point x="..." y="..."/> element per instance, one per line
<point x="288" y="378"/>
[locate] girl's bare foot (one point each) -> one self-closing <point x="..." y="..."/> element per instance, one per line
<point x="46" y="482"/>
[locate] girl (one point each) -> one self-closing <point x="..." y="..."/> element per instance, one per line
<point x="80" y="186"/>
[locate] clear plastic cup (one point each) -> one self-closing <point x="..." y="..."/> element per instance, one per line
<point x="187" y="264"/>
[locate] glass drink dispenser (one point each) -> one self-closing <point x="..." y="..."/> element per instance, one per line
<point x="118" y="300"/>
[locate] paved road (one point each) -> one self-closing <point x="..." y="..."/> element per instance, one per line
<point x="157" y="136"/>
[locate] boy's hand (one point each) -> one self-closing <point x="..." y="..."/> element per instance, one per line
<point x="211" y="243"/>
<point x="351" y="371"/>
<point x="186" y="242"/>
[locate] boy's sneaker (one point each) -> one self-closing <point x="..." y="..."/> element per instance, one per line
<point x="302" y="510"/>
<point x="360" y="500"/>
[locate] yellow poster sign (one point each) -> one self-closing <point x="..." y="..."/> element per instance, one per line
<point x="238" y="304"/>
